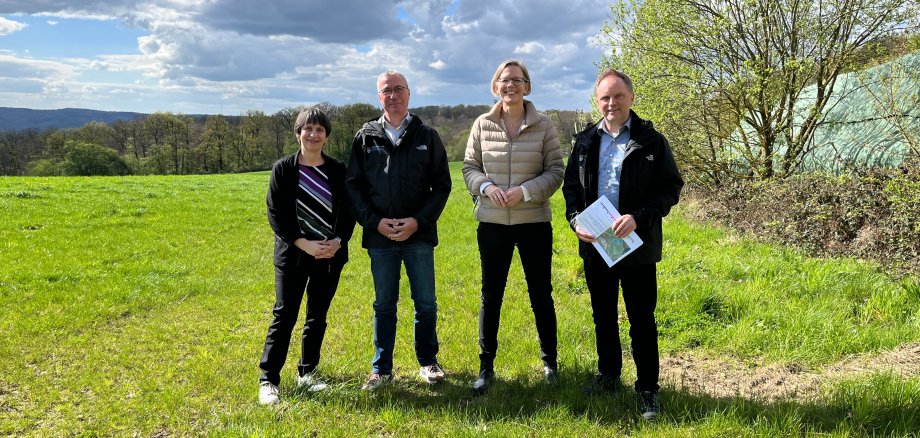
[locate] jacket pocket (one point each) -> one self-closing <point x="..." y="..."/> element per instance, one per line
<point x="418" y="160"/>
<point x="286" y="255"/>
<point x="376" y="160"/>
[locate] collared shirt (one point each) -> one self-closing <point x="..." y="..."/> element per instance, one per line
<point x="395" y="131"/>
<point x="610" y="164"/>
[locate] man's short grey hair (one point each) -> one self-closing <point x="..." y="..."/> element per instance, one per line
<point x="389" y="73"/>
<point x="613" y="72"/>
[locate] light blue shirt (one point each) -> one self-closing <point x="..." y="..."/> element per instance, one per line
<point x="395" y="131"/>
<point x="610" y="164"/>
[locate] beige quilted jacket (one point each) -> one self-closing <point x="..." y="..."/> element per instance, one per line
<point x="532" y="159"/>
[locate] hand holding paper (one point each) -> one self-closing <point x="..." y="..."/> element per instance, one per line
<point x="583" y="235"/>
<point x="624" y="225"/>
<point x="605" y="224"/>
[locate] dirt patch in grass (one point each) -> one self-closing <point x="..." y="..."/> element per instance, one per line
<point x="8" y="395"/>
<point x="719" y="377"/>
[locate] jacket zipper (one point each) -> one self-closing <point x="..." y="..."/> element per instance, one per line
<point x="510" y="151"/>
<point x="335" y="225"/>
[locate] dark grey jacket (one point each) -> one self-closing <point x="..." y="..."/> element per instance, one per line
<point x="408" y="179"/>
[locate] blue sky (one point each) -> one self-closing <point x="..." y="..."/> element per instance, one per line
<point x="230" y="56"/>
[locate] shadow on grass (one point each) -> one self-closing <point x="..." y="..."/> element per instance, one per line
<point x="868" y="411"/>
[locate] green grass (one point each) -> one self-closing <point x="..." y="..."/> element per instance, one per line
<point x="140" y="304"/>
<point x="748" y="299"/>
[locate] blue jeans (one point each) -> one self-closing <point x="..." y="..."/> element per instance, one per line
<point x="385" y="267"/>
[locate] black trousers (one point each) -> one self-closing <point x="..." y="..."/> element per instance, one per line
<point x="320" y="279"/>
<point x="496" y="249"/>
<point x="640" y="295"/>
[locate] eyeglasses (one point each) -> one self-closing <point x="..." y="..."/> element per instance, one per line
<point x="516" y="81"/>
<point x="399" y="89"/>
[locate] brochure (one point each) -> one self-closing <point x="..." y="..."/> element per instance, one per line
<point x="597" y="219"/>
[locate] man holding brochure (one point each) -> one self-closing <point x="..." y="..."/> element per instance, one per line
<point x="624" y="159"/>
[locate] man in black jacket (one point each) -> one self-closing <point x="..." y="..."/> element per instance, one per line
<point x="625" y="159"/>
<point x="398" y="183"/>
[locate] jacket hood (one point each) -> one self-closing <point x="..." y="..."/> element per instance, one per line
<point x="375" y="128"/>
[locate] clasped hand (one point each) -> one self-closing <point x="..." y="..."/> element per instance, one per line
<point x="397" y="229"/>
<point x="321" y="249"/>
<point x="504" y="198"/>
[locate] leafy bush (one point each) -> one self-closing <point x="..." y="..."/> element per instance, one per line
<point x="85" y="159"/>
<point x="44" y="167"/>
<point x="873" y="214"/>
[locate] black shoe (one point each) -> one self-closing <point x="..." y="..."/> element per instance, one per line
<point x="602" y="383"/>
<point x="483" y="382"/>
<point x="649" y="405"/>
<point x="550" y="374"/>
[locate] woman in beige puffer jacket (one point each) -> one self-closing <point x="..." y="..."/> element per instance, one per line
<point x="512" y="166"/>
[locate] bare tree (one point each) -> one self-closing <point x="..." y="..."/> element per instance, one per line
<point x="215" y="138"/>
<point x="17" y="149"/>
<point x="282" y="128"/>
<point x="726" y="79"/>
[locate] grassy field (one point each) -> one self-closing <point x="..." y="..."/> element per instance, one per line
<point x="139" y="305"/>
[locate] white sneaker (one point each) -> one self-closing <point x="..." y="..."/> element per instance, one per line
<point x="431" y="373"/>
<point x="268" y="393"/>
<point x="376" y="380"/>
<point x="312" y="382"/>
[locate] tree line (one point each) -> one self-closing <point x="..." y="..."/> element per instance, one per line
<point x="168" y="143"/>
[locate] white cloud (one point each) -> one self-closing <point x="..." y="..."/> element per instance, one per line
<point x="27" y="68"/>
<point x="18" y="86"/>
<point x="9" y="26"/>
<point x="52" y="22"/>
<point x="454" y="27"/>
<point x="529" y="48"/>
<point x="344" y="21"/>
<point x="198" y="55"/>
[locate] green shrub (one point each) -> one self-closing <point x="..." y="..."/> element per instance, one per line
<point x="86" y="159"/>
<point x="872" y="214"/>
<point x="44" y="167"/>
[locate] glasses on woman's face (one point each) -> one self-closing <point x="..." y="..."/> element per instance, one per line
<point x="516" y="81"/>
<point x="399" y="89"/>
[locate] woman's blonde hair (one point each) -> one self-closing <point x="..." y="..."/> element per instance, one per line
<point x="509" y="63"/>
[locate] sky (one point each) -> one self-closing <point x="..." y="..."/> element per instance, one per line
<point x="231" y="56"/>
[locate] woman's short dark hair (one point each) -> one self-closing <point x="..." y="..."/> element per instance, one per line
<point x="312" y="116"/>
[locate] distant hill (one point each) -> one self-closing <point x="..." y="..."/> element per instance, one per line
<point x="16" y="119"/>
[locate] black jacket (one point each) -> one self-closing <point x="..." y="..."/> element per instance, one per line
<point x="408" y="179"/>
<point x="650" y="185"/>
<point x="282" y="210"/>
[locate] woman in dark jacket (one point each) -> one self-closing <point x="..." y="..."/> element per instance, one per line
<point x="308" y="211"/>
